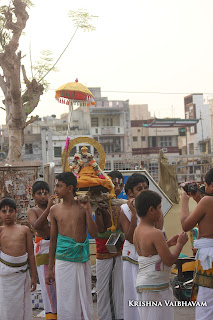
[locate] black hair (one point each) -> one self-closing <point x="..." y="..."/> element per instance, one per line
<point x="209" y="177"/>
<point x="40" y="185"/>
<point x="8" y="202"/>
<point x="68" y="178"/>
<point x="134" y="180"/>
<point x="115" y="174"/>
<point x="145" y="200"/>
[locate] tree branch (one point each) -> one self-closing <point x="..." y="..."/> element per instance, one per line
<point x="16" y="27"/>
<point x="3" y="85"/>
<point x="32" y="95"/>
<point x="32" y="119"/>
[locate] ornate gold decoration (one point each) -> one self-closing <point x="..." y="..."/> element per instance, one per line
<point x="84" y="150"/>
<point x="90" y="141"/>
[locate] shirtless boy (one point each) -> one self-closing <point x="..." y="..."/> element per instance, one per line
<point x="109" y="268"/>
<point x="202" y="215"/>
<point x="16" y="257"/>
<point x="69" y="244"/>
<point x="136" y="183"/>
<point x="155" y="259"/>
<point x="38" y="217"/>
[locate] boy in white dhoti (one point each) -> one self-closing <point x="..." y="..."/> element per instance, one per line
<point x="203" y="216"/>
<point x="155" y="259"/>
<point x="70" y="246"/>
<point x="38" y="217"/>
<point x="16" y="257"/>
<point x="109" y="267"/>
<point x="136" y="183"/>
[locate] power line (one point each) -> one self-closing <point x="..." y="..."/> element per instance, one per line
<point x="149" y="92"/>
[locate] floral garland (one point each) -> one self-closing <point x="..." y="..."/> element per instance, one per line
<point x="78" y="162"/>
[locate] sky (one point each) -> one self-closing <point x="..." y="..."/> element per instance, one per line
<point x="148" y="52"/>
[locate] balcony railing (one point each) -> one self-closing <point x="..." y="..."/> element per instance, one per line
<point x="154" y="150"/>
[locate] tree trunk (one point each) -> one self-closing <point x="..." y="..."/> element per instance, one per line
<point x="15" y="143"/>
<point x="17" y="106"/>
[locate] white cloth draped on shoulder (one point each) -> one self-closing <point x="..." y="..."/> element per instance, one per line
<point x="73" y="287"/>
<point x="15" y="295"/>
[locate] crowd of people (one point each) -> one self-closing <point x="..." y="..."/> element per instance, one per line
<point x="128" y="280"/>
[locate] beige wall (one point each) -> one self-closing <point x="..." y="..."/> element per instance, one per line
<point x="139" y="112"/>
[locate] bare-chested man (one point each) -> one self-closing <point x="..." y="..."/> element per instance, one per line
<point x="203" y="216"/>
<point x="38" y="217"/>
<point x="16" y="256"/>
<point x="109" y="268"/>
<point x="70" y="246"/>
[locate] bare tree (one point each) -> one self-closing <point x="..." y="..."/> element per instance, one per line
<point x="20" y="103"/>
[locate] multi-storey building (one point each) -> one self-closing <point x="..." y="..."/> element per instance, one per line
<point x="108" y="122"/>
<point x="111" y="126"/>
<point x="198" y="136"/>
<point x="147" y="141"/>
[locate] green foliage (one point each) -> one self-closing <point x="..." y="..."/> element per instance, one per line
<point x="81" y="19"/>
<point x="5" y="34"/>
<point x="42" y="66"/>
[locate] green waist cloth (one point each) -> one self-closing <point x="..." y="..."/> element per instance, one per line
<point x="107" y="234"/>
<point x="69" y="250"/>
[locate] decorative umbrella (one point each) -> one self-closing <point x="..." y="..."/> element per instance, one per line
<point x="75" y="93"/>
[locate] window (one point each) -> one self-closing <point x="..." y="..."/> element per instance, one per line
<point x="182" y="131"/>
<point x="111" y="122"/>
<point x="135" y="139"/>
<point x="152" y="142"/>
<point x="165" y="141"/>
<point x="73" y="151"/>
<point x="191" y="148"/>
<point x="94" y="122"/>
<point x="192" y="129"/>
<point x="57" y="152"/>
<point x="118" y="166"/>
<point x="143" y="138"/>
<point x="203" y="147"/>
<point x="118" y="130"/>
<point x="108" y="166"/>
<point x="29" y="148"/>
<point x="96" y="130"/>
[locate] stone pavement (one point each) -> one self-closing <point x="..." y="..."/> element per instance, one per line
<point x="181" y="313"/>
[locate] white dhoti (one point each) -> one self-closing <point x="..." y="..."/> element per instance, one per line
<point x="15" y="294"/>
<point x="130" y="271"/>
<point x="157" y="308"/>
<point x="48" y="291"/>
<point x="204" y="295"/>
<point x="153" y="288"/>
<point x="204" y="278"/>
<point x="74" y="298"/>
<point x="109" y="273"/>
